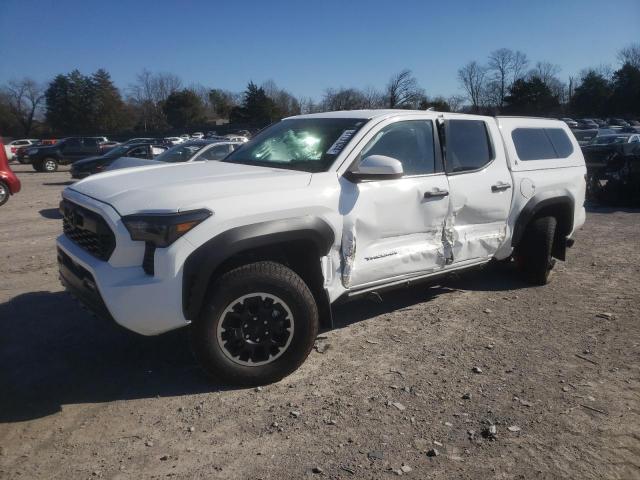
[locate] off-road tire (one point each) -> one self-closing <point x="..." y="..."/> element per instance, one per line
<point x="261" y="277"/>
<point x="534" y="254"/>
<point x="4" y="193"/>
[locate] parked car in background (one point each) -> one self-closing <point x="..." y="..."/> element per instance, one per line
<point x="606" y="131"/>
<point x="617" y="122"/>
<point x="174" y="140"/>
<point x="11" y="149"/>
<point x="21" y="154"/>
<point x="613" y="167"/>
<point x="570" y="122"/>
<point x="9" y="183"/>
<point x="88" y="166"/>
<point x="186" y="136"/>
<point x="586" y="124"/>
<point x="108" y="145"/>
<point x="618" y="138"/>
<point x="194" y="151"/>
<point x="584" y="137"/>
<point x="197" y="135"/>
<point x="46" y="158"/>
<point x="139" y="140"/>
<point x="236" y="138"/>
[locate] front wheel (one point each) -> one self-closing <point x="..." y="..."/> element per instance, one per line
<point x="49" y="165"/>
<point x="534" y="253"/>
<point x="257" y="326"/>
<point x="4" y="193"/>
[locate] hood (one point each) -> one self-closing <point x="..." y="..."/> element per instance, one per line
<point x="184" y="186"/>
<point x="87" y="161"/>
<point x="127" y="162"/>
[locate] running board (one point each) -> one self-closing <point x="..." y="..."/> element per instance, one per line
<point x="406" y="281"/>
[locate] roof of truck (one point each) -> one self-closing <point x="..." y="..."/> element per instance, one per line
<point x="364" y="114"/>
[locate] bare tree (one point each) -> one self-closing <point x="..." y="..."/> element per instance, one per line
<point x="307" y="105"/>
<point x="148" y="94"/>
<point x="519" y="65"/>
<point x="472" y="77"/>
<point x="455" y="102"/>
<point x="25" y="98"/>
<point x="343" y="99"/>
<point x="630" y="54"/>
<point x="286" y="103"/>
<point x="500" y="65"/>
<point x="373" y="98"/>
<point x="506" y="66"/>
<point x="403" y="91"/>
<point x="545" y="71"/>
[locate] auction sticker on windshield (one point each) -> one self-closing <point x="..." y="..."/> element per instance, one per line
<point x="339" y="144"/>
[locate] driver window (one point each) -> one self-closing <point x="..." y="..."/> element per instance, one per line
<point x="215" y="153"/>
<point x="410" y="142"/>
<point x="140" y="152"/>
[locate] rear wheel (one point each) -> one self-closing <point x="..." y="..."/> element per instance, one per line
<point x="49" y="165"/>
<point x="534" y="253"/>
<point x="4" y="193"/>
<point x="257" y="326"/>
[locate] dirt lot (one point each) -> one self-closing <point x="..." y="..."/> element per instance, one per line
<point x="80" y="398"/>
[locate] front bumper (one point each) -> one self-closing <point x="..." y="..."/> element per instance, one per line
<point x="80" y="283"/>
<point x="119" y="289"/>
<point x="79" y="175"/>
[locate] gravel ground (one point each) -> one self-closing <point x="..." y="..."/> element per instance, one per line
<point x="480" y="376"/>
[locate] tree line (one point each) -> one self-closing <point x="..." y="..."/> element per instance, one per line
<point x="508" y="83"/>
<point x="159" y="103"/>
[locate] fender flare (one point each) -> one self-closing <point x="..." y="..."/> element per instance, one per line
<point x="203" y="261"/>
<point x="536" y="204"/>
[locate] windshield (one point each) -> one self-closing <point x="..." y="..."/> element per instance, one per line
<point x="180" y="153"/>
<point x="307" y="144"/>
<point x="609" y="140"/>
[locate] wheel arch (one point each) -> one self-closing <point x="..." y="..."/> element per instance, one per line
<point x="292" y="241"/>
<point x="559" y="204"/>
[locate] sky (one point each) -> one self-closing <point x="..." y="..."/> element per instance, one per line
<point x="305" y="46"/>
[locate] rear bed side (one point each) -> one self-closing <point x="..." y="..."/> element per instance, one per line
<point x="548" y="172"/>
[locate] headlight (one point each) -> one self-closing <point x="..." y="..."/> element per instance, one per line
<point x="163" y="229"/>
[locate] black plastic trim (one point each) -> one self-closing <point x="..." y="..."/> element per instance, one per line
<point x="202" y="262"/>
<point x="80" y="283"/>
<point x="534" y="205"/>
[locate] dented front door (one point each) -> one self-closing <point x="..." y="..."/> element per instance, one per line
<point x="394" y="228"/>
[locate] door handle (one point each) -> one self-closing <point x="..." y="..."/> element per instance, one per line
<point x="436" y="192"/>
<point x="500" y="186"/>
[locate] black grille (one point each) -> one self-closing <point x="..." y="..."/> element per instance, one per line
<point x="88" y="230"/>
<point x="148" y="260"/>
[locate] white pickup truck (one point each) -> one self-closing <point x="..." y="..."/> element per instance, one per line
<point x="253" y="250"/>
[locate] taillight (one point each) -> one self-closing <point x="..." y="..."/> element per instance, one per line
<point x="13" y="149"/>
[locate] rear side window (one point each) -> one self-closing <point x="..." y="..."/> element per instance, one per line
<point x="541" y="143"/>
<point x="468" y="145"/>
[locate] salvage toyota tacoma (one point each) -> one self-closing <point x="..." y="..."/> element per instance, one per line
<point x="252" y="251"/>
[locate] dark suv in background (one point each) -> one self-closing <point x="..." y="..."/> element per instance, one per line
<point x="46" y="158"/>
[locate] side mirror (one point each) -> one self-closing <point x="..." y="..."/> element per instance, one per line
<point x="376" y="167"/>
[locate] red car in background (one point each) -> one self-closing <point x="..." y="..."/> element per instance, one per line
<point x="9" y="183"/>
